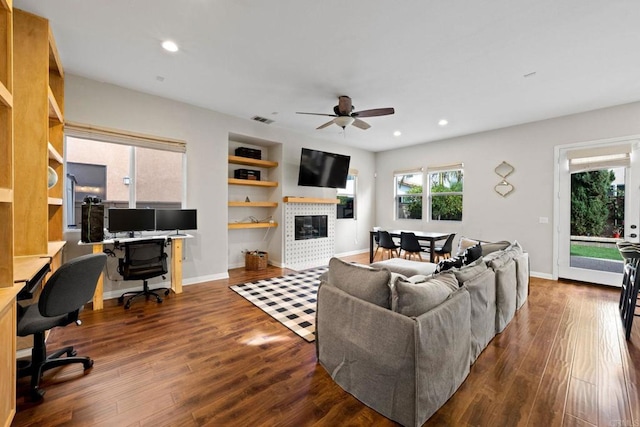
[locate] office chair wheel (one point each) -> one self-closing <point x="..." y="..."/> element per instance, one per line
<point x="88" y="364"/>
<point x="166" y="293"/>
<point x="127" y="306"/>
<point x="36" y="395"/>
<point x="158" y="299"/>
<point x="120" y="299"/>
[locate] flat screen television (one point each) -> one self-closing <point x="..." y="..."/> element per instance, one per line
<point x="322" y="169"/>
<point x="176" y="219"/>
<point x="130" y="220"/>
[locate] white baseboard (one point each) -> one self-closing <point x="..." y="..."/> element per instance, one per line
<point x="541" y="275"/>
<point x="167" y="284"/>
<point x="356" y="252"/>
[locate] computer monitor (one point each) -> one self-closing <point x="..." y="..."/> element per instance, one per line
<point x="131" y="220"/>
<point x="176" y="219"/>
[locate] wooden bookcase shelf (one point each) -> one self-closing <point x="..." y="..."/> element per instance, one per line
<point x="55" y="114"/>
<point x="54" y="155"/>
<point x="253" y="204"/>
<point x="246" y="161"/>
<point x="54" y="201"/>
<point x="252" y="182"/>
<point x="6" y="98"/>
<point x="6" y="195"/>
<point x="239" y="225"/>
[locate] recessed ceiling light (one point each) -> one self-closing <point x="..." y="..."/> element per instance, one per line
<point x="397" y="133"/>
<point x="443" y="122"/>
<point x="170" y="46"/>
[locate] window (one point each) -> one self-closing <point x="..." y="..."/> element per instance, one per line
<point x="347" y="197"/>
<point x="408" y="187"/>
<point x="124" y="172"/>
<point x="445" y="191"/>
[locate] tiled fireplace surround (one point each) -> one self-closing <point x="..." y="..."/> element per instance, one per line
<point x="309" y="253"/>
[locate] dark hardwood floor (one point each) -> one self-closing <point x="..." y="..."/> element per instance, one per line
<point x="209" y="357"/>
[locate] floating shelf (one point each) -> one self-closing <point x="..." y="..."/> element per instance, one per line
<point x="6" y="98"/>
<point x="256" y="183"/>
<point x="54" y="155"/>
<point x="253" y="204"/>
<point x="55" y="114"/>
<point x="6" y="195"/>
<point x="238" y="225"/>
<point x="54" y="201"/>
<point x="289" y="199"/>
<point x="246" y="161"/>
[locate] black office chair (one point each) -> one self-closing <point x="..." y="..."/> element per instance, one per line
<point x="143" y="259"/>
<point x="410" y="245"/>
<point x="65" y="293"/>
<point x="444" y="251"/>
<point x="387" y="244"/>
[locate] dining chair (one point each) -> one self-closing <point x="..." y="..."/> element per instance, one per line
<point x="410" y="245"/>
<point x="444" y="251"/>
<point x="387" y="244"/>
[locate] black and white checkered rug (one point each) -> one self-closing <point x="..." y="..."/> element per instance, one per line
<point x="289" y="299"/>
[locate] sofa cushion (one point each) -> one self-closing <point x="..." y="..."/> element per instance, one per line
<point x="514" y="249"/>
<point x="405" y="266"/>
<point x="470" y="271"/>
<point x="501" y="260"/>
<point x="490" y="247"/>
<point x="415" y="299"/>
<point x="361" y="281"/>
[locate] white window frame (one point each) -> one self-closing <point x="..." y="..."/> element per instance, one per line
<point x="353" y="174"/>
<point x="396" y="196"/>
<point x="432" y="170"/>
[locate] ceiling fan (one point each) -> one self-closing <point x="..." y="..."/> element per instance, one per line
<point x="345" y="116"/>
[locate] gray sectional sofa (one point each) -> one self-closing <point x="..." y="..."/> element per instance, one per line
<point x="403" y="345"/>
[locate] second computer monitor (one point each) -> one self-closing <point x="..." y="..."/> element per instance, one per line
<point x="176" y="219"/>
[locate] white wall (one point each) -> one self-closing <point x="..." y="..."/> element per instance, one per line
<point x="207" y="134"/>
<point x="530" y="149"/>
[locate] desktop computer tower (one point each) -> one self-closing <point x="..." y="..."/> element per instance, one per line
<point x="92" y="223"/>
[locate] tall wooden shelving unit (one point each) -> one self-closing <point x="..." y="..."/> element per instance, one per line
<point x="7" y="289"/>
<point x="263" y="164"/>
<point x="39" y="122"/>
<point x="31" y="139"/>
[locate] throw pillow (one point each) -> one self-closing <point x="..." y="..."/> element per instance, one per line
<point x="500" y="261"/>
<point x="393" y="297"/>
<point x="514" y="249"/>
<point x="470" y="271"/>
<point x="415" y="299"/>
<point x="465" y="243"/>
<point x="449" y="263"/>
<point x="361" y="281"/>
<point x="471" y="254"/>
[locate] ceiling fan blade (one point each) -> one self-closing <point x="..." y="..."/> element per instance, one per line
<point x="361" y="124"/>
<point x="318" y="114"/>
<point x="374" y="112"/>
<point x="329" y="123"/>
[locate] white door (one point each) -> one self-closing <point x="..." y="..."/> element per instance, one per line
<point x="587" y="252"/>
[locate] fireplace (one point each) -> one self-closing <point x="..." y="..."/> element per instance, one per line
<point x="310" y="227"/>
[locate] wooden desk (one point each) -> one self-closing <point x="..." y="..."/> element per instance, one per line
<point x="176" y="241"/>
<point x="429" y="236"/>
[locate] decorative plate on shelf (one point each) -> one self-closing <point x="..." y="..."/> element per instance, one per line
<point x="52" y="177"/>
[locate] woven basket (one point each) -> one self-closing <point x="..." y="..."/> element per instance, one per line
<point x="256" y="260"/>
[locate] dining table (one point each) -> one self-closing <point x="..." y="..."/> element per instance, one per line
<point x="423" y="236"/>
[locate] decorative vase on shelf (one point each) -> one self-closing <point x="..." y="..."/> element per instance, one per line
<point x="52" y="177"/>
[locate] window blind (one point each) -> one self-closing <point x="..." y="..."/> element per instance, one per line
<point x="443" y="168"/>
<point x="594" y="158"/>
<point x="116" y="136"/>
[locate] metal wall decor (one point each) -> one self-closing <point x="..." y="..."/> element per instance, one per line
<point x="503" y="188"/>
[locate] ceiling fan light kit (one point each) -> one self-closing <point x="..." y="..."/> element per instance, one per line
<point x="345" y="116"/>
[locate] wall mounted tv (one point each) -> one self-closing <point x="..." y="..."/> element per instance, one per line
<point x="322" y="169"/>
<point x="176" y="219"/>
